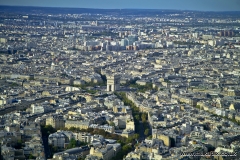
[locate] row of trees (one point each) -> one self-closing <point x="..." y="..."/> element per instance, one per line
<point x="104" y="78"/>
<point x="126" y="143"/>
<point x="92" y="84"/>
<point x="47" y="130"/>
<point x="122" y="140"/>
<point x="137" y="115"/>
<point x="88" y="85"/>
<point x="74" y="143"/>
<point x="142" y="88"/>
<point x="135" y="110"/>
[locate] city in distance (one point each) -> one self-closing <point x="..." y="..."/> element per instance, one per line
<point x="119" y="84"/>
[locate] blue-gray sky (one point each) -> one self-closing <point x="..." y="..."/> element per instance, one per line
<point x="202" y="5"/>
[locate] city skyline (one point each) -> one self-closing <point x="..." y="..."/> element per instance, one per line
<point x="122" y="84"/>
<point x="203" y="5"/>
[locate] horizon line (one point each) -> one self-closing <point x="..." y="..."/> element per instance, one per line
<point x="118" y="8"/>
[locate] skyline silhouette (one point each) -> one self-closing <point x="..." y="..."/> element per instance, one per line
<point x="198" y="5"/>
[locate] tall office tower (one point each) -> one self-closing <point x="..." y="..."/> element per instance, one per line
<point x="131" y="39"/>
<point x="230" y="33"/>
<point x="225" y="33"/>
<point x="120" y="34"/>
<point x="221" y="33"/>
<point x="113" y="83"/>
<point x="124" y="42"/>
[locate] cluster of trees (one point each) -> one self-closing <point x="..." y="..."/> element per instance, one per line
<point x="31" y="79"/>
<point x="142" y="88"/>
<point x="135" y="110"/>
<point x="19" y="145"/>
<point x="104" y="78"/>
<point x="91" y="91"/>
<point x="137" y="115"/>
<point x="64" y="75"/>
<point x="47" y="130"/>
<point x="126" y="143"/>
<point x="145" y="124"/>
<point x="127" y="147"/>
<point x="54" y="149"/>
<point x="149" y="137"/>
<point x="14" y="84"/>
<point x="98" y="131"/>
<point x="144" y="118"/>
<point x="73" y="143"/>
<point x="31" y="157"/>
<point x="89" y="84"/>
<point x="125" y="150"/>
<point x="132" y="81"/>
<point x="198" y="106"/>
<point x="182" y="102"/>
<point x="111" y="124"/>
<point x="92" y="84"/>
<point x="166" y="80"/>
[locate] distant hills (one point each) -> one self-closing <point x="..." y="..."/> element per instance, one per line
<point x="60" y="10"/>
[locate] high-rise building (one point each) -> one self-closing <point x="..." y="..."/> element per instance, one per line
<point x="221" y="33"/>
<point x="132" y="39"/>
<point x="124" y="42"/>
<point x="225" y="33"/>
<point x="129" y="47"/>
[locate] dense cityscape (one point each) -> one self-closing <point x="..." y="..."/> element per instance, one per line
<point x="119" y="84"/>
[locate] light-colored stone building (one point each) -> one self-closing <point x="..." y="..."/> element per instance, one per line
<point x="56" y="121"/>
<point x="113" y="83"/>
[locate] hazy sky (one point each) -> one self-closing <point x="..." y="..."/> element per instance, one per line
<point x="203" y="5"/>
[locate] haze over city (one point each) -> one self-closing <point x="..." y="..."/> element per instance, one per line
<point x="200" y="5"/>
